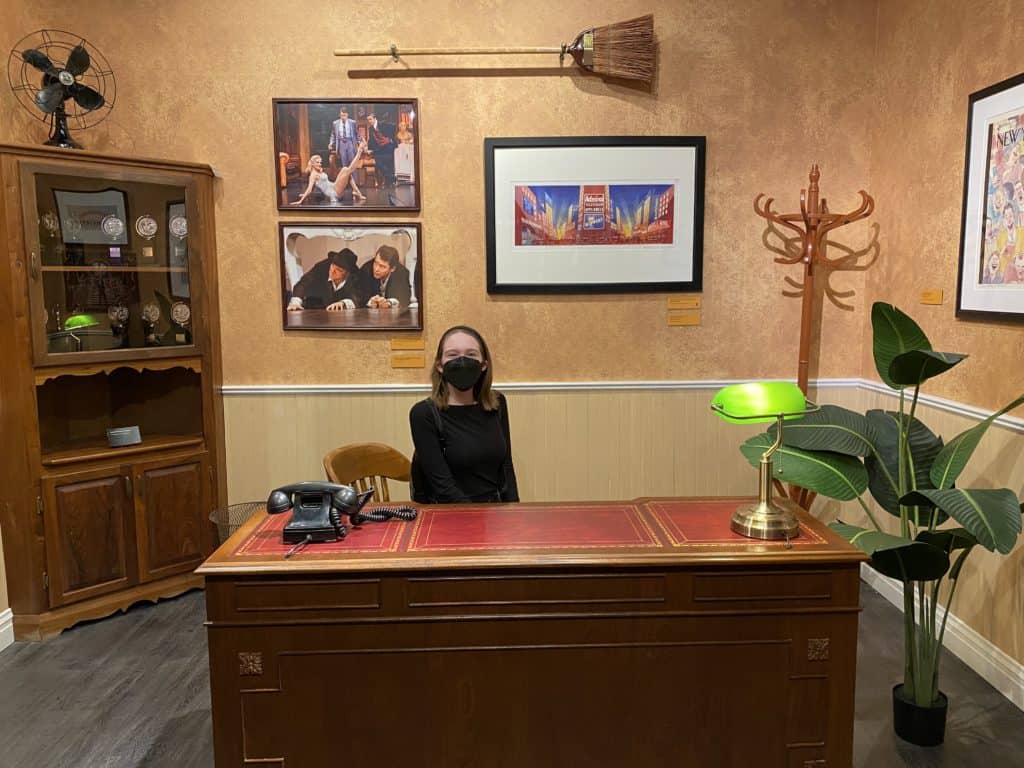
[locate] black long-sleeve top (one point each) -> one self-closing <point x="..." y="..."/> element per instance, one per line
<point x="476" y="461"/>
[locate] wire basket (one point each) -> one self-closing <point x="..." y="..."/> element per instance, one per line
<point x="230" y="518"/>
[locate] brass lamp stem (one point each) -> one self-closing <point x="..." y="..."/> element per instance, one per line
<point x="767" y="519"/>
<point x="765" y="469"/>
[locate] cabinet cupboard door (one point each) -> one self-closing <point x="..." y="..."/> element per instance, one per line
<point x="172" y="507"/>
<point x="90" y="548"/>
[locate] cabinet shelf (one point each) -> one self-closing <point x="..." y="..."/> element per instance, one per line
<point x="98" y="450"/>
<point x="115" y="268"/>
<point x="194" y="364"/>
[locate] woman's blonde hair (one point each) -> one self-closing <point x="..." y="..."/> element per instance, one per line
<point x="482" y="391"/>
<point x="309" y="163"/>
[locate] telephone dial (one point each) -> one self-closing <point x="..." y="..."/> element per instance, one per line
<point x="317" y="510"/>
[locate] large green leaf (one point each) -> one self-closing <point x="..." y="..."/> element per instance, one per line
<point x="831" y="428"/>
<point x="957" y="452"/>
<point x="992" y="515"/>
<point x="830" y="474"/>
<point x="894" y="333"/>
<point x="883" y="468"/>
<point x="949" y="540"/>
<point x="896" y="556"/>
<point x="909" y="369"/>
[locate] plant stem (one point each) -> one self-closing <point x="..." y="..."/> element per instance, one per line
<point x="867" y="511"/>
<point x="900" y="458"/>
<point x="921" y="690"/>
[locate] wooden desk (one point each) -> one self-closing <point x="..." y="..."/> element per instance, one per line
<point x="528" y="635"/>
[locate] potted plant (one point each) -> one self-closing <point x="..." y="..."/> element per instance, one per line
<point x="911" y="475"/>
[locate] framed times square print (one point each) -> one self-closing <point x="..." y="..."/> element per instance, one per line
<point x="594" y="214"/>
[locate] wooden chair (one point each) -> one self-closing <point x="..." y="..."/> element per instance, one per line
<point x="362" y="465"/>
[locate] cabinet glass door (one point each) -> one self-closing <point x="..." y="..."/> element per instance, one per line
<point x="111" y="273"/>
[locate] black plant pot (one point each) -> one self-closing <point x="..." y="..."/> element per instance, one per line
<point x="923" y="726"/>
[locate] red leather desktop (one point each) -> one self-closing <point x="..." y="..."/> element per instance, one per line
<point x="635" y="634"/>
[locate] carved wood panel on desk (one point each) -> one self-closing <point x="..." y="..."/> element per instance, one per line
<point x="735" y="653"/>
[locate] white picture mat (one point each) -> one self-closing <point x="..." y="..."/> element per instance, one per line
<point x="87" y="210"/>
<point x="575" y="265"/>
<point x="973" y="294"/>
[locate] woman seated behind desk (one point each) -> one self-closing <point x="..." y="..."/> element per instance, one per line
<point x="463" y="449"/>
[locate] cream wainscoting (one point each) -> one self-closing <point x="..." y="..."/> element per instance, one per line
<point x="572" y="441"/>
<point x="621" y="440"/>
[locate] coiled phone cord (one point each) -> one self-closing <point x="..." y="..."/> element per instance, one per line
<point x="381" y="514"/>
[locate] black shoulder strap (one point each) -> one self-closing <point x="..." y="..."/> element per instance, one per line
<point x="437" y="422"/>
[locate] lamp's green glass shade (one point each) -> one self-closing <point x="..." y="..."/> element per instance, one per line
<point x="75" y="322"/>
<point x="745" y="403"/>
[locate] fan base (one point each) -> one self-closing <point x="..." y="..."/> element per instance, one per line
<point x="59" y="134"/>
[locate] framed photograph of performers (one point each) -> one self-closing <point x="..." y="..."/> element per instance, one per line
<point x="594" y="214"/>
<point x="347" y="154"/>
<point x="358" y="277"/>
<point x="991" y="278"/>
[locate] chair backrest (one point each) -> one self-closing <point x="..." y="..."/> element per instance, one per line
<point x="363" y="465"/>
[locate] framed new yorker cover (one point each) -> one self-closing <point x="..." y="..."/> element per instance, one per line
<point x="346" y="154"/>
<point x="351" y="277"/>
<point x="594" y="214"/>
<point x="991" y="275"/>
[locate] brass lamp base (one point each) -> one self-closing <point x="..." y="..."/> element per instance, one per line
<point x="771" y="519"/>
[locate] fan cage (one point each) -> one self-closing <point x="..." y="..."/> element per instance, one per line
<point x="25" y="80"/>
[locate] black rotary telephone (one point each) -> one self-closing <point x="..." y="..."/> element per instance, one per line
<point x="318" y="508"/>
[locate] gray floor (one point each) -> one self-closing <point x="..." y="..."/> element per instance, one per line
<point x="133" y="690"/>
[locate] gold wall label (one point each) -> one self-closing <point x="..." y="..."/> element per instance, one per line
<point x="931" y="296"/>
<point x="685" y="317"/>
<point x="408" y="360"/>
<point x="397" y="344"/>
<point x="684" y="302"/>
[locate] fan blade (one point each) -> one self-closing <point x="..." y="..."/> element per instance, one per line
<point x="86" y="97"/>
<point x="39" y="60"/>
<point x="51" y="97"/>
<point x="78" y="61"/>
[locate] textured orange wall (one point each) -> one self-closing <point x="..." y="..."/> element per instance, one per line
<point x="931" y="55"/>
<point x="773" y="85"/>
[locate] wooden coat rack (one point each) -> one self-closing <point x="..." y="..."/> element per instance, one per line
<point x="817" y="223"/>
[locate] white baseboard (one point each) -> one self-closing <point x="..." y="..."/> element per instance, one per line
<point x="1002" y="672"/>
<point x="6" y="629"/>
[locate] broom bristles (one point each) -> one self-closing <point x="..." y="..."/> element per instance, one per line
<point x="626" y="49"/>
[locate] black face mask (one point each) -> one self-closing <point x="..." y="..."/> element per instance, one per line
<point x="462" y="372"/>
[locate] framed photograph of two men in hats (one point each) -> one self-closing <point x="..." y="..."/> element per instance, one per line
<point x="338" y="154"/>
<point x="357" y="277"/>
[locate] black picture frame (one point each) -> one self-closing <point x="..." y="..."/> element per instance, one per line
<point x="388" y="176"/>
<point x="990" y="273"/>
<point x="305" y="245"/>
<point x="645" y="196"/>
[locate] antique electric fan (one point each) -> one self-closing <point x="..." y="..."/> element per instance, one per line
<point x="60" y="77"/>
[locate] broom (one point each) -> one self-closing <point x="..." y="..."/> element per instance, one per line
<point x="624" y="50"/>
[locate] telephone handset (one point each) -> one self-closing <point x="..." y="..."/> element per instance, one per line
<point x="318" y="507"/>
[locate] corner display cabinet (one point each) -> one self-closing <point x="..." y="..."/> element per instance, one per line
<point x="108" y="321"/>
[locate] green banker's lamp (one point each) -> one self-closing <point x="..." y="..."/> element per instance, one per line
<point x="755" y="403"/>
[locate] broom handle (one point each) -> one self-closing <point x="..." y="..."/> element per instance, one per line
<point x="395" y="51"/>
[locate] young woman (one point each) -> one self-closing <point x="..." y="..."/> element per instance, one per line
<point x="332" y="190"/>
<point x="460" y="433"/>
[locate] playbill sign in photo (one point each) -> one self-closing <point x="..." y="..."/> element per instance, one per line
<point x="991" y="279"/>
<point x="594" y="215"/>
